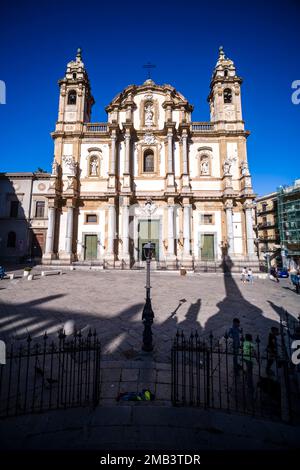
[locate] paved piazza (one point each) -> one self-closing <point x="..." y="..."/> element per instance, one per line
<point x="112" y="302"/>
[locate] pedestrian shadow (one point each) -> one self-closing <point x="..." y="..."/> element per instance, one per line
<point x="234" y="304"/>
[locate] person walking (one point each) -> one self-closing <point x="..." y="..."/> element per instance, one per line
<point x="244" y="275"/>
<point x="235" y="333"/>
<point x="249" y="355"/>
<point x="250" y="275"/>
<point x="272" y="349"/>
<point x="274" y="274"/>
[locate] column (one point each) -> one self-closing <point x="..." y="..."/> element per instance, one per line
<point x="229" y="226"/>
<point x="186" y="229"/>
<point x="170" y="152"/>
<point x="112" y="169"/>
<point x="69" y="231"/>
<point x="111" y="229"/>
<point x="184" y="154"/>
<point x="50" y="231"/>
<point x="127" y="154"/>
<point x="171" y="230"/>
<point x="249" y="229"/>
<point x="125" y="227"/>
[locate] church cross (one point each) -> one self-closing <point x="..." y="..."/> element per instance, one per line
<point x="149" y="66"/>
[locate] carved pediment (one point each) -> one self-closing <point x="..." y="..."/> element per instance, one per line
<point x="149" y="88"/>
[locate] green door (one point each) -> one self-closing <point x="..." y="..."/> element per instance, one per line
<point x="208" y="247"/>
<point x="148" y="231"/>
<point x="90" y="247"/>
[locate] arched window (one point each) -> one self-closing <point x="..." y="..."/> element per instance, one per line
<point x="74" y="76"/>
<point x="225" y="73"/>
<point x="227" y="95"/>
<point x="148" y="161"/>
<point x="72" y="97"/>
<point x="11" y="240"/>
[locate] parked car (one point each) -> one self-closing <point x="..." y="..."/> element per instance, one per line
<point x="282" y="272"/>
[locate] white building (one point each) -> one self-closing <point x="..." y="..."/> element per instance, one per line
<point x="150" y="172"/>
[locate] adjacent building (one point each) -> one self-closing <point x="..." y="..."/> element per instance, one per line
<point x="23" y="215"/>
<point x="278" y="226"/>
<point x="267" y="230"/>
<point x="150" y="172"/>
<point x="288" y="209"/>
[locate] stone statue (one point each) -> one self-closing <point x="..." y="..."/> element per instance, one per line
<point x="54" y="168"/>
<point x="94" y="167"/>
<point x="244" y="169"/>
<point x="70" y="167"/>
<point x="227" y="167"/>
<point x="148" y="115"/>
<point x="204" y="167"/>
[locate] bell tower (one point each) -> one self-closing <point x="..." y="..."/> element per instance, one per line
<point x="225" y="95"/>
<point x="75" y="100"/>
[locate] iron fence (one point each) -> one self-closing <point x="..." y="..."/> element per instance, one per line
<point x="215" y="373"/>
<point x="290" y="331"/>
<point x="52" y="375"/>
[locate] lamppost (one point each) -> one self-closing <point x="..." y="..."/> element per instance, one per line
<point x="148" y="314"/>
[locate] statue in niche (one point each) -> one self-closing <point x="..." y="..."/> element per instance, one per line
<point x="94" y="166"/>
<point x="204" y="168"/>
<point x="54" y="168"/>
<point x="149" y="114"/>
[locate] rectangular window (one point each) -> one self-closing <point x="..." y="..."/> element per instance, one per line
<point x="39" y="208"/>
<point x="14" y="208"/>
<point x="91" y="218"/>
<point x="207" y="219"/>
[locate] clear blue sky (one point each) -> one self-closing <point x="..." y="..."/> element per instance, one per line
<point x="38" y="38"/>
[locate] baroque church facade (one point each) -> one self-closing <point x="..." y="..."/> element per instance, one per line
<point x="150" y="173"/>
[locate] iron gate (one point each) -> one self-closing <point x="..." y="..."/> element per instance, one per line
<point x="52" y="375"/>
<point x="210" y="373"/>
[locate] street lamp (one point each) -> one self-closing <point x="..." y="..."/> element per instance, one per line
<point x="148" y="314"/>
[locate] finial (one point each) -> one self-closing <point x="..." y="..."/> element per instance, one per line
<point x="79" y="51"/>
<point x="221" y="53"/>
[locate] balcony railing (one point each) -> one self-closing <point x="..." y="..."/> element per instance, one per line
<point x="98" y="127"/>
<point x="202" y="126"/>
<point x="266" y="224"/>
<point x="267" y="209"/>
<point x="268" y="239"/>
